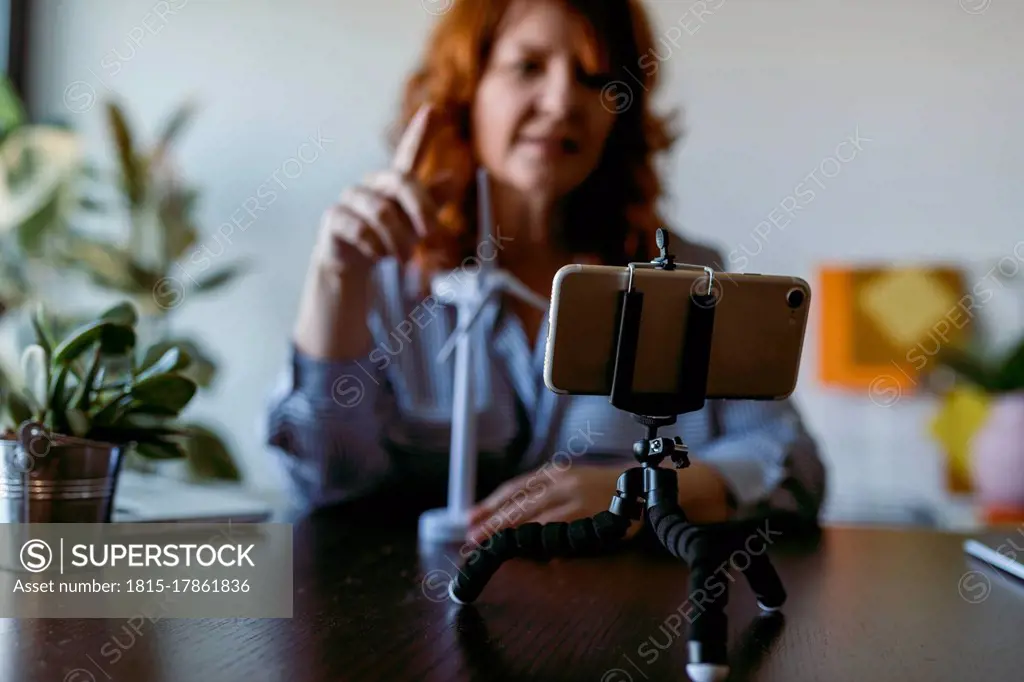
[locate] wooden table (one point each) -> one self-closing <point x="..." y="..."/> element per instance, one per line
<point x="864" y="604"/>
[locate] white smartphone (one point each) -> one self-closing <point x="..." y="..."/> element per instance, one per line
<point x="758" y="334"/>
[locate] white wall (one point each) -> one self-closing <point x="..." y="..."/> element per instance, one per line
<point x="770" y="89"/>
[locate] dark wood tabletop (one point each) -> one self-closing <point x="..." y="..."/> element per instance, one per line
<point x="864" y="604"/>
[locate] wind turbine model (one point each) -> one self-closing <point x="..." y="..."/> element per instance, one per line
<point x="473" y="294"/>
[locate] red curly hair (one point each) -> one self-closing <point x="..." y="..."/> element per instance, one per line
<point x="612" y="214"/>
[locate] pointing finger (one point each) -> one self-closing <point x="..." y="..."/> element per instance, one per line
<point x="412" y="142"/>
<point x="417" y="203"/>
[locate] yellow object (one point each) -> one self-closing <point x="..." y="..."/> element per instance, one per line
<point x="905" y="304"/>
<point x="963" y="411"/>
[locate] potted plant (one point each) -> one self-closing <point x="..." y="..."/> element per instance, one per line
<point x="46" y="190"/>
<point x="83" y="402"/>
<point x="152" y="262"/>
<point x="997" y="447"/>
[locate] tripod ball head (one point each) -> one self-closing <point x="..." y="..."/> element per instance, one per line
<point x="665" y="260"/>
<point x="653" y="450"/>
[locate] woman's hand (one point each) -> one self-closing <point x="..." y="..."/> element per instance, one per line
<point x="388" y="213"/>
<point x="549" y="495"/>
<point x="545" y="496"/>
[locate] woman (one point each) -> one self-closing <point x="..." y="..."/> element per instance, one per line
<point x="526" y="89"/>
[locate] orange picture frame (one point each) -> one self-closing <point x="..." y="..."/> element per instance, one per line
<point x="883" y="324"/>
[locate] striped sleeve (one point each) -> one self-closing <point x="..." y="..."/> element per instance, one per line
<point x="767" y="457"/>
<point x="327" y="421"/>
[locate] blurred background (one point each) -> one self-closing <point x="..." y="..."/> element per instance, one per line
<point x="871" y="147"/>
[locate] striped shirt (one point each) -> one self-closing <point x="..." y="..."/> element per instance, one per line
<point x="338" y="424"/>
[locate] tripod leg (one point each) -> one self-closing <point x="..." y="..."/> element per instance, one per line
<point x="702" y="551"/>
<point x="546" y="541"/>
<point x="764" y="580"/>
<point x="535" y="541"/>
<point x="708" y="549"/>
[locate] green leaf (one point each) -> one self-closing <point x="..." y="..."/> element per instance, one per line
<point x="12" y="112"/>
<point x="114" y="339"/>
<point x="175" y="124"/>
<point x="77" y="422"/>
<point x="968" y="366"/>
<point x="58" y="404"/>
<point x="179" y="232"/>
<point x="126" y="432"/>
<point x="132" y="175"/>
<point x="120" y="386"/>
<point x="208" y="455"/>
<point x="78" y="341"/>
<point x="154" y="353"/>
<point x="35" y="410"/>
<point x="1010" y="375"/>
<point x="160" y="449"/>
<point x="150" y="410"/>
<point x="117" y="340"/>
<point x="31" y="233"/>
<point x="113" y="411"/>
<point x="219" y="278"/>
<point x="171" y="361"/>
<point x="123" y="314"/>
<point x="83" y="395"/>
<point x="144" y="278"/>
<point x="39" y="327"/>
<point x="201" y="368"/>
<point x="153" y="424"/>
<point x="62" y="325"/>
<point x="119" y="285"/>
<point x="19" y="408"/>
<point x="169" y="391"/>
<point x="107" y="265"/>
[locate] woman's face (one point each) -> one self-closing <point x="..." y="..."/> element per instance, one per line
<point x="538" y="121"/>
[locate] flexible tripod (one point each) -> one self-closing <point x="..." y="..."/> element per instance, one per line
<point x="705" y="548"/>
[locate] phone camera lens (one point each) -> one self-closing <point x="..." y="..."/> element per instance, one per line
<point x="795" y="298"/>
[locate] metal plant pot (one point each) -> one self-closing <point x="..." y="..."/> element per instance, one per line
<point x="49" y="478"/>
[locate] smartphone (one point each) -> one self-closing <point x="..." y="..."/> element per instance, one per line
<point x="758" y="333"/>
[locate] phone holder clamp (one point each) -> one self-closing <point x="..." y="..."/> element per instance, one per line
<point x="649" y="488"/>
